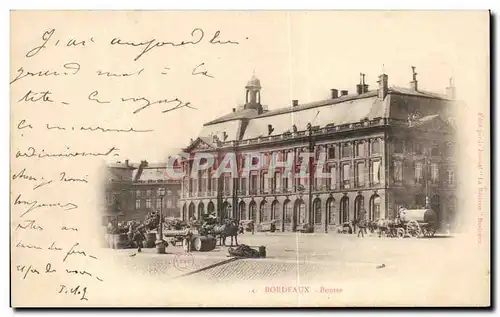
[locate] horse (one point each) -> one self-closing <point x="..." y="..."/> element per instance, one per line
<point x="228" y="229"/>
<point x="382" y="226"/>
<point x="388" y="226"/>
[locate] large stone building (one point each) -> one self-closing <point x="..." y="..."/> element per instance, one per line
<point x="132" y="191"/>
<point x="384" y="148"/>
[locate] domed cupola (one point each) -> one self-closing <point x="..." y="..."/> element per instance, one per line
<point x="253" y="94"/>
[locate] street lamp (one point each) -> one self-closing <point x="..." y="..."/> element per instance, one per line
<point x="428" y="175"/>
<point x="160" y="245"/>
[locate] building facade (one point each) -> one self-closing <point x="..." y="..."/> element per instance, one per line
<point x="132" y="191"/>
<point x="382" y="149"/>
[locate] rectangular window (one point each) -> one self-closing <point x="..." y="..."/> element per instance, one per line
<point x="214" y="185"/>
<point x="265" y="183"/>
<point x="419" y="149"/>
<point x="227" y="184"/>
<point x="204" y="183"/>
<point x="253" y="184"/>
<point x="276" y="182"/>
<point x="435" y="149"/>
<point x="418" y="172"/>
<point x="109" y="198"/>
<point x="333" y="178"/>
<point x="451" y="177"/>
<point x="209" y="181"/>
<point x="298" y="181"/>
<point x="360" y="149"/>
<point x="158" y="203"/>
<point x="318" y="182"/>
<point x="200" y="181"/>
<point x="243" y="185"/>
<point x="148" y="192"/>
<point x="331" y="152"/>
<point x="450" y="150"/>
<point x="398" y="146"/>
<point x="286" y="182"/>
<point x="375" y="146"/>
<point x="137" y="193"/>
<point x="375" y="172"/>
<point x="346" y="150"/>
<point x="148" y="203"/>
<point x="137" y="204"/>
<point x="434" y="173"/>
<point x="360" y="174"/>
<point x="346" y="173"/>
<point x="398" y="171"/>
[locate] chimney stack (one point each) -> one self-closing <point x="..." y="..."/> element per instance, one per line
<point x="382" y="86"/>
<point x="344" y="92"/>
<point x="450" y="90"/>
<point x="362" y="87"/>
<point x="335" y="93"/>
<point x="295" y="103"/>
<point x="234" y="109"/>
<point x="126" y="163"/>
<point x="414" y="82"/>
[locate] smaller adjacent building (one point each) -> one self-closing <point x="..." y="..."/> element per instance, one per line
<point x="131" y="191"/>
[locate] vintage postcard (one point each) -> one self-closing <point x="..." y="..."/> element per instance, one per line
<point x="250" y="159"/>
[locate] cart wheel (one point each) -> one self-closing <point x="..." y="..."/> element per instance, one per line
<point x="401" y="233"/>
<point x="431" y="231"/>
<point x="413" y="229"/>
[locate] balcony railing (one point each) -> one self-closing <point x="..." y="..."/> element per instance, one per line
<point x="324" y="130"/>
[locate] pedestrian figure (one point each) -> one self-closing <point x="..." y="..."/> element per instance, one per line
<point x="362" y="228"/>
<point x="354" y="223"/>
<point x="130" y="233"/>
<point x="138" y="238"/>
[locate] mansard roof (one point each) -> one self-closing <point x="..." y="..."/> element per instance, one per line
<point x="247" y="124"/>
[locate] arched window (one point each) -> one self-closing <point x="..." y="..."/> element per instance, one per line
<point x="184" y="212"/>
<point x="263" y="215"/>
<point x="301" y="211"/>
<point x="242" y="211"/>
<point x="191" y="211"/>
<point x="317" y="211"/>
<point x="201" y="210"/>
<point x="253" y="211"/>
<point x="436" y="207"/>
<point x="275" y="210"/>
<point x="331" y="211"/>
<point x="374" y="212"/>
<point x="452" y="210"/>
<point x="344" y="209"/>
<point x="288" y="212"/>
<point x="210" y="207"/>
<point x="359" y="208"/>
<point x="226" y="210"/>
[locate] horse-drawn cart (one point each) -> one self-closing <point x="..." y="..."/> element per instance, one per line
<point x="417" y="223"/>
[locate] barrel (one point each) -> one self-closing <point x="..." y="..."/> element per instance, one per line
<point x="262" y="251"/>
<point x="214" y="241"/>
<point x="121" y="240"/>
<point x="204" y="244"/>
<point x="419" y="215"/>
<point x="150" y="240"/>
